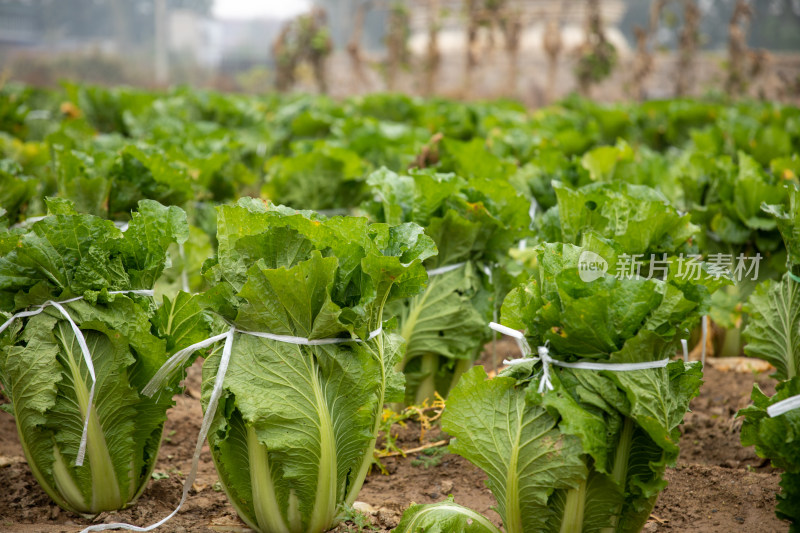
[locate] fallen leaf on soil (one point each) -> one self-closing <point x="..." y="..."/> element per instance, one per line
<point x="228" y="525"/>
<point x="8" y="461"/>
<point x="364" y="508"/>
<point x="744" y="365"/>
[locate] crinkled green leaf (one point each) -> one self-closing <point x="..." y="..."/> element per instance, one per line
<point x="440" y="323"/>
<point x="637" y="219"/>
<point x="16" y="189"/>
<point x="78" y="180"/>
<point x="144" y="171"/>
<point x="788" y="221"/>
<point x="473" y="221"/>
<point x="327" y="177"/>
<point x="69" y="253"/>
<point x="443" y="517"/>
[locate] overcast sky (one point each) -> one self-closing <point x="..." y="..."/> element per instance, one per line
<point x="244" y="9"/>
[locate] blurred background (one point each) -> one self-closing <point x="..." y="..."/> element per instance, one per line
<point x="532" y="50"/>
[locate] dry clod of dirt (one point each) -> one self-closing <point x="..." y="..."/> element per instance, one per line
<point x="388" y="518"/>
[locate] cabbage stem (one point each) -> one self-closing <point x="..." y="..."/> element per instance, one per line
<point x="265" y="503"/>
<point x="369" y="456"/>
<point x="427" y="387"/>
<point x="574" y="509"/>
<point x="620" y="472"/>
<point x="105" y="486"/>
<point x="325" y="509"/>
<point x="513" y="518"/>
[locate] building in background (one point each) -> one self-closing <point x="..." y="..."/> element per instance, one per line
<point x="19" y="24"/>
<point x="195" y="36"/>
<point x="113" y="41"/>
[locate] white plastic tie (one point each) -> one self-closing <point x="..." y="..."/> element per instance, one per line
<point x="544" y="356"/>
<point x="445" y="269"/>
<point x="532" y="210"/>
<point x="784" y="406"/>
<point x="180" y="358"/>
<point x="703" y="339"/>
<point x="184" y="275"/>
<point x="488" y="271"/>
<point x="122" y="226"/>
<point x="522" y="342"/>
<point x="304" y="341"/>
<point x="87" y="356"/>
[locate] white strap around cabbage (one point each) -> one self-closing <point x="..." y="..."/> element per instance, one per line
<point x="455" y="266"/>
<point x="445" y="269"/>
<point x="123" y="226"/>
<point x="703" y="338"/>
<point x="184" y="275"/>
<point x="177" y="361"/>
<point x="544" y="357"/>
<point x="784" y="406"/>
<point x="87" y="356"/>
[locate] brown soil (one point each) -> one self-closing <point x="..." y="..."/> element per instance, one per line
<point x="718" y="486"/>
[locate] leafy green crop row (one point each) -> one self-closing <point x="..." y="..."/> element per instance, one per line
<point x="433" y="218"/>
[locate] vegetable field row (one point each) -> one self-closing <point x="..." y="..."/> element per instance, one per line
<point x="333" y="262"/>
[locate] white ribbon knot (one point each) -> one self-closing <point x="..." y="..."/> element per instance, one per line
<point x="544" y="356"/>
<point x="87" y="356"/>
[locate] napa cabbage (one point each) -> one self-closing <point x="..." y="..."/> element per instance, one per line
<point x="772" y="334"/>
<point x="294" y="433"/>
<point x="589" y="454"/>
<point x="42" y="370"/>
<point x="473" y="223"/>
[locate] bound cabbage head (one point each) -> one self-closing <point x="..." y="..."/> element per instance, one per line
<point x="294" y="433"/>
<point x="42" y="369"/>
